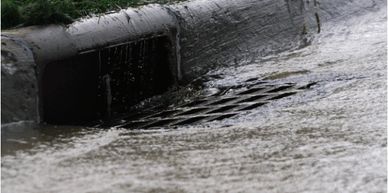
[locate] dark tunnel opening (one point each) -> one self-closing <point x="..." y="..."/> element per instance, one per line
<point x="101" y="84"/>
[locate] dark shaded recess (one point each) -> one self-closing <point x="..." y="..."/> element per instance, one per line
<point x="69" y="90"/>
<point x="308" y="86"/>
<point x="191" y="120"/>
<point x="161" y="123"/>
<point x="137" y="71"/>
<point x="283" y="95"/>
<point x="165" y="113"/>
<point x="105" y="83"/>
<point x="222" y="109"/>
<point x="252" y="79"/>
<point x="135" y="125"/>
<point x="281" y="88"/>
<point x="250" y="107"/>
<point x="222" y="117"/>
<point x="223" y="101"/>
<point x="193" y="111"/>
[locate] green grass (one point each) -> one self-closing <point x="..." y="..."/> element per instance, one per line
<point x="15" y="13"/>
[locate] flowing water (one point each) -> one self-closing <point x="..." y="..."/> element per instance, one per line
<point x="331" y="138"/>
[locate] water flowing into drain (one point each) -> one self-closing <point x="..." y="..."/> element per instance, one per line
<point x="222" y="105"/>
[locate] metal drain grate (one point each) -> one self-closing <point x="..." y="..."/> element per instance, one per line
<point x="248" y="96"/>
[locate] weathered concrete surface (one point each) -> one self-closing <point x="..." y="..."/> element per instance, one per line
<point x="332" y="138"/>
<point x="204" y="34"/>
<point x="18" y="82"/>
<point x="54" y="43"/>
<point x="224" y="33"/>
<point x="329" y="139"/>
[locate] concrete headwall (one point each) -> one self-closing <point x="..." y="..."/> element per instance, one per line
<point x="201" y="35"/>
<point x="218" y="33"/>
<point x="19" y="84"/>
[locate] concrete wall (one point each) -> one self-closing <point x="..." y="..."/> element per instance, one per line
<point x="19" y="84"/>
<point x="218" y="33"/>
<point x="203" y="34"/>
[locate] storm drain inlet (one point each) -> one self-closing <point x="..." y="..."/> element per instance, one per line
<point x="102" y="83"/>
<point x="249" y="96"/>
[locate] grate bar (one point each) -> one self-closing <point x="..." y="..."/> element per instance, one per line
<point x="214" y="108"/>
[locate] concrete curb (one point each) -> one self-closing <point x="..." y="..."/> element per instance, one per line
<point x="202" y="35"/>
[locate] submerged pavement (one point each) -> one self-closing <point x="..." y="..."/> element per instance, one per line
<point x="331" y="138"/>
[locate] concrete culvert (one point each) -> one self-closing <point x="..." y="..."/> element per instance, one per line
<point x="98" y="67"/>
<point x="103" y="83"/>
<point x="279" y="107"/>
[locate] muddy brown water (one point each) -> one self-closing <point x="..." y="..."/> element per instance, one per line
<point x="331" y="138"/>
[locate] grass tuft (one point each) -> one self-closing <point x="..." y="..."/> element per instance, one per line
<point x="10" y="15"/>
<point x="39" y="12"/>
<point x="44" y="12"/>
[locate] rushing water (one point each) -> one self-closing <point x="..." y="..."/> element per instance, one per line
<point x="331" y="138"/>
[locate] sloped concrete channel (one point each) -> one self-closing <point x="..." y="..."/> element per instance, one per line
<point x="274" y="96"/>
